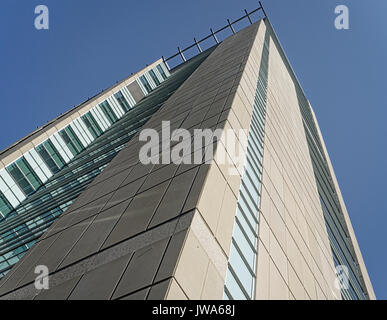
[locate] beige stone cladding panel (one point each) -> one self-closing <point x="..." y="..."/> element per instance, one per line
<point x="294" y="247"/>
<point x="202" y="264"/>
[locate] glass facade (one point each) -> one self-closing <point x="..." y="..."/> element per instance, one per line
<point x="73" y="158"/>
<point x="241" y="272"/>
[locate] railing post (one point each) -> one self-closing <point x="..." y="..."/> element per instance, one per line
<point x="181" y="54"/>
<point x="166" y="64"/>
<point x="198" y="46"/>
<point x="230" y="25"/>
<point x="248" y="16"/>
<point x="214" y="35"/>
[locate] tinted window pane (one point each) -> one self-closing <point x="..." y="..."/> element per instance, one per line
<point x="107" y="110"/>
<point x="29" y="173"/>
<point x="122" y="101"/>
<point x="154" y="77"/>
<point x="160" y="69"/>
<point x="19" y="178"/>
<point x="146" y="84"/>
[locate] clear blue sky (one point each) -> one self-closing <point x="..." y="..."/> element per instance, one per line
<point x="93" y="43"/>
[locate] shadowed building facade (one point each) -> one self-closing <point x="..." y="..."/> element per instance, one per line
<point x="110" y="227"/>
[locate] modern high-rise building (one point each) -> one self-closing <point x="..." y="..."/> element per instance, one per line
<point x="76" y="197"/>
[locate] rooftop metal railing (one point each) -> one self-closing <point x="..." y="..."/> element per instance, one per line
<point x="230" y="25"/>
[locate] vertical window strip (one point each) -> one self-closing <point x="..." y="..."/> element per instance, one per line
<point x="78" y="134"/>
<point x="39" y="161"/>
<point x="107" y="110"/>
<point x="74" y="138"/>
<point x="122" y="101"/>
<point x="103" y="123"/>
<point x="150" y="80"/>
<point x="92" y="125"/>
<point x="241" y="275"/>
<point x="160" y="69"/>
<point x="116" y="107"/>
<point x="20" y="179"/>
<point x="35" y="167"/>
<point x="69" y="143"/>
<point x="145" y="84"/>
<point x="54" y="154"/>
<point x="48" y="160"/>
<point x="158" y="74"/>
<point x="29" y="173"/>
<point x="354" y="291"/>
<point x="154" y="77"/>
<point x="61" y="146"/>
<point x="83" y="130"/>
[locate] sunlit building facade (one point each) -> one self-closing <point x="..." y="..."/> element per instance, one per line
<point x="75" y="197"/>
